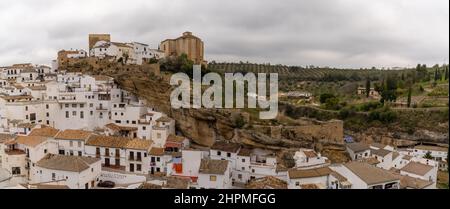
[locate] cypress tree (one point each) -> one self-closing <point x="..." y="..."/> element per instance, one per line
<point x="367" y="87"/>
<point x="409" y="96"/>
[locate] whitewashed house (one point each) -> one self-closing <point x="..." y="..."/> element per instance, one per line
<point x="257" y="163"/>
<point x="214" y="174"/>
<point x="419" y="170"/>
<point x="72" y="142"/>
<point x="377" y="146"/>
<point x="225" y="150"/>
<point x="358" y="150"/>
<point x="384" y="158"/>
<point x="308" y="158"/>
<point x="436" y="152"/>
<point x="163" y="127"/>
<point x="120" y="153"/>
<point x="316" y="178"/>
<point x="365" y="176"/>
<point x="73" y="171"/>
<point x="187" y="166"/>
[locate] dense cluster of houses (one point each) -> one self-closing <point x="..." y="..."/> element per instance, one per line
<point x="73" y="130"/>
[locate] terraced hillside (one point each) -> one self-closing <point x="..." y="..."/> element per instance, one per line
<point x="301" y="73"/>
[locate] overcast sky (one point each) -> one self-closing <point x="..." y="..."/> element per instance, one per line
<point x="336" y="33"/>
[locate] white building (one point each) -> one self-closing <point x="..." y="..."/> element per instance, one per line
<point x="419" y="170"/>
<point x="224" y="150"/>
<point x="257" y="163"/>
<point x="408" y="182"/>
<point x="214" y="174"/>
<point x="437" y="153"/>
<point x="129" y="53"/>
<point x="358" y="150"/>
<point x="365" y="176"/>
<point x="308" y="158"/>
<point x="120" y="153"/>
<point x="384" y="158"/>
<point x="316" y="178"/>
<point x="72" y="142"/>
<point x="377" y="146"/>
<point x="73" y="171"/>
<point x="187" y="166"/>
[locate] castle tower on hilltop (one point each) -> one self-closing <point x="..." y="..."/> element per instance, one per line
<point x="188" y="44"/>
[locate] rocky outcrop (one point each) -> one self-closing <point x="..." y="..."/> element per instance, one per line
<point x="383" y="135"/>
<point x="205" y="126"/>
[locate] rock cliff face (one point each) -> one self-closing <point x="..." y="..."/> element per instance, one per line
<point x="382" y="135"/>
<point x="205" y="126"/>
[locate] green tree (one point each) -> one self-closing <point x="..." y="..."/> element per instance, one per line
<point x="332" y="103"/>
<point x="389" y="90"/>
<point x="367" y="87"/>
<point x="421" y="72"/>
<point x="428" y="155"/>
<point x="325" y="96"/>
<point x="409" y="96"/>
<point x="446" y="73"/>
<point x="436" y="75"/>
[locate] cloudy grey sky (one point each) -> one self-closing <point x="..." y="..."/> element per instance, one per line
<point x="338" y="33"/>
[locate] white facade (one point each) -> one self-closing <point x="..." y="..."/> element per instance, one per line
<point x="215" y="180"/>
<point x="307" y="158"/>
<point x="84" y="179"/>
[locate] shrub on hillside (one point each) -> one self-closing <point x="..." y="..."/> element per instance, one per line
<point x="384" y="115"/>
<point x="370" y="106"/>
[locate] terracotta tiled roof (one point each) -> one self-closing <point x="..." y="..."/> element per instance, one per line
<point x="44" y="131"/>
<point x="414" y="183"/>
<point x="175" y="138"/>
<point x="177" y="182"/>
<point x="378" y="145"/>
<point x="70" y="134"/>
<point x="31" y="141"/>
<point x="358" y="147"/>
<point x="371" y="161"/>
<point x="309" y="173"/>
<point x="370" y="174"/>
<point x="268" y="182"/>
<point x="156" y="151"/>
<point x="417" y="168"/>
<point x="66" y="162"/>
<point x="116" y="127"/>
<point x="119" y="142"/>
<point x="380" y="152"/>
<point x="208" y="166"/>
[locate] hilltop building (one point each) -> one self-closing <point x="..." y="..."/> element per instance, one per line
<point x="188" y="44"/>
